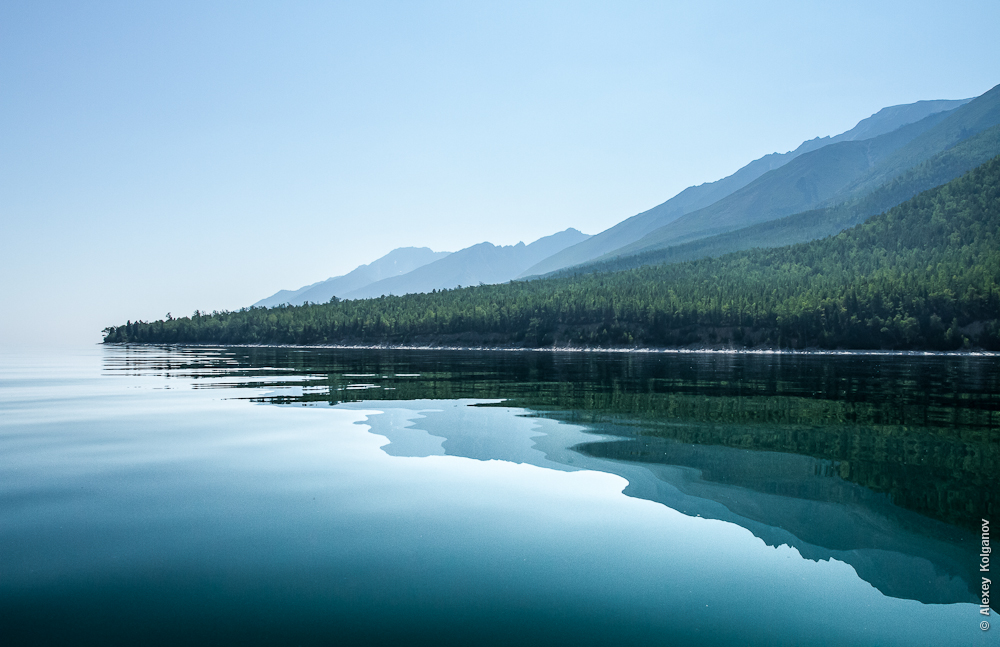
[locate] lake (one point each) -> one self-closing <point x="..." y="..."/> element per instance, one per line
<point x="284" y="496"/>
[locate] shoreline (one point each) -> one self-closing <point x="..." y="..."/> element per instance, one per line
<point x="578" y="349"/>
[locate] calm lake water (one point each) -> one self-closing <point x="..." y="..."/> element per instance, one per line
<point x="276" y="496"/>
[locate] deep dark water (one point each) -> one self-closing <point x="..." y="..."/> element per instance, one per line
<point x="771" y="499"/>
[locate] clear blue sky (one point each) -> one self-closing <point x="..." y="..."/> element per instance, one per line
<point x="170" y="156"/>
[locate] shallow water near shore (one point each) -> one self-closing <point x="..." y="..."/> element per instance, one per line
<point x="335" y="496"/>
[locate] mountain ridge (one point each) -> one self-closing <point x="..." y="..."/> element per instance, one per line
<point x="816" y="223"/>
<point x="399" y="261"/>
<point x="804" y="183"/>
<point x="923" y="275"/>
<point x="481" y="263"/>
<point x="703" y="195"/>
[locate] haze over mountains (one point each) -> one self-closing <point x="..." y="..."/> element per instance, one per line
<point x="482" y="263"/>
<point x="922" y="275"/>
<point x="411" y="269"/>
<point x="818" y="223"/>
<point x="804" y="183"/>
<point x="836" y="174"/>
<point x="397" y="262"/>
<point x="703" y="195"/>
<point x="820" y="188"/>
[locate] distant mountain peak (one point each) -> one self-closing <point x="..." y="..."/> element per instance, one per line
<point x="695" y="198"/>
<point x="480" y="263"/>
<point x="396" y="263"/>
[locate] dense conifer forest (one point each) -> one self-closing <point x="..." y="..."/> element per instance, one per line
<point x="923" y="275"/>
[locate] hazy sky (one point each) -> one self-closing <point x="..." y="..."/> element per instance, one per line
<point x="170" y="156"/>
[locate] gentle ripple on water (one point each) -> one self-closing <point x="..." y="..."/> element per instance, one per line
<point x="319" y="496"/>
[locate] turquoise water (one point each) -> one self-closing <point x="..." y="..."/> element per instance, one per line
<point x="290" y="496"/>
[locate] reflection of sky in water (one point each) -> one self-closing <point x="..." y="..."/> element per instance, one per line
<point x="164" y="512"/>
<point x="784" y="499"/>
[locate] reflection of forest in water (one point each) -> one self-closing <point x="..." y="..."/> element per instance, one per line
<point x="842" y="457"/>
<point x="923" y="429"/>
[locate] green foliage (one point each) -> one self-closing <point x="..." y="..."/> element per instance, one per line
<point x="807" y="182"/>
<point x="818" y="223"/>
<point x="925" y="274"/>
<point x="922" y="430"/>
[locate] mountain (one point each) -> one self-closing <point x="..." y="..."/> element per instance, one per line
<point x="818" y="223"/>
<point x="889" y="119"/>
<point x="923" y="275"/>
<point x="694" y="198"/>
<point x="398" y="261"/>
<point x="828" y="176"/>
<point x="482" y="263"/>
<point x="978" y="115"/>
<point x="804" y="183"/>
<point x="287" y="297"/>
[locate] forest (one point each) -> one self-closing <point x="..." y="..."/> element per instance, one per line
<point x="922" y="275"/>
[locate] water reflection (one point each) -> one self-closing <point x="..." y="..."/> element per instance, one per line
<point x="886" y="463"/>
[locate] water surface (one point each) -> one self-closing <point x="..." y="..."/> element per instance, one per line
<point x="316" y="496"/>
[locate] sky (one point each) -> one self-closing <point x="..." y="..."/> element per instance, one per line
<point x="173" y="156"/>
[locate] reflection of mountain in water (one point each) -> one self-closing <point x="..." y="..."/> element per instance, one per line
<point x="782" y="498"/>
<point x="883" y="462"/>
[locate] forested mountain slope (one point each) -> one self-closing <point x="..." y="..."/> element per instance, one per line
<point x="805" y="183"/>
<point x="925" y="274"/>
<point x="812" y="180"/>
<point x="819" y="223"/>
<point x="694" y="198"/>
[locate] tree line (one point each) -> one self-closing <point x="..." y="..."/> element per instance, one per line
<point x="923" y="275"/>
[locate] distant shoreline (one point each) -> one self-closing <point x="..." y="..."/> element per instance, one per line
<point x="577" y="349"/>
